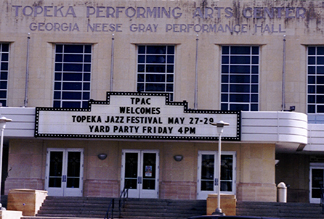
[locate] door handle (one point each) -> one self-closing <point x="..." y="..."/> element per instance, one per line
<point x="64" y="178"/>
<point x="216" y="182"/>
<point x="139" y="180"/>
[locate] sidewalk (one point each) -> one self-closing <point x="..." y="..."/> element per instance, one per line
<point x="41" y="217"/>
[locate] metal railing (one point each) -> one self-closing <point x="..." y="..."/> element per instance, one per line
<point x="322" y="198"/>
<point x="110" y="210"/>
<point x="123" y="197"/>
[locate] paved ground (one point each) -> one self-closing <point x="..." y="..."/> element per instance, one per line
<point x="35" y="217"/>
<point x="31" y="217"/>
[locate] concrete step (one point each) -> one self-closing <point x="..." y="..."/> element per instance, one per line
<point x="95" y="208"/>
<point x="134" y="208"/>
<point x="280" y="210"/>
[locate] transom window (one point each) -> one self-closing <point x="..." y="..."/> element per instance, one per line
<point x="315" y="81"/>
<point x="155" y="69"/>
<point x="72" y="76"/>
<point x="4" y="66"/>
<point x="240" y="78"/>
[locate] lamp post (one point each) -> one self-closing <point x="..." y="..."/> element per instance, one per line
<point x="3" y="121"/>
<point x="220" y="127"/>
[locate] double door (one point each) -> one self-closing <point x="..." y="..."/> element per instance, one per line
<point x="208" y="181"/>
<point x="64" y="172"/>
<point x="140" y="173"/>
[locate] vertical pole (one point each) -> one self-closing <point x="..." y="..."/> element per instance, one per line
<point x="1" y="151"/>
<point x="220" y="125"/>
<point x="196" y="77"/>
<point x="3" y="121"/>
<point x="27" y="72"/>
<point x="112" y="63"/>
<point x="219" y="210"/>
<point x="283" y="74"/>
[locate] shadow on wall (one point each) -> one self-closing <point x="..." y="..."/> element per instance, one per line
<point x="293" y="170"/>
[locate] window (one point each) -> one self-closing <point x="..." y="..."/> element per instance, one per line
<point x="240" y="78"/>
<point x="72" y="76"/>
<point x="315" y="79"/>
<point x="155" y="69"/>
<point x="4" y="66"/>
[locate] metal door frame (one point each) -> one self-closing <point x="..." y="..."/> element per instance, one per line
<point x="139" y="192"/>
<point x="311" y="167"/>
<point x="63" y="190"/>
<point x="204" y="194"/>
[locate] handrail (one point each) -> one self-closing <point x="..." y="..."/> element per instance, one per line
<point x="110" y="208"/>
<point x="322" y="198"/>
<point x="123" y="196"/>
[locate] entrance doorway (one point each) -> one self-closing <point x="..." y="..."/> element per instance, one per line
<point x="140" y="173"/>
<point x="316" y="182"/>
<point x="207" y="181"/>
<point x="64" y="172"/>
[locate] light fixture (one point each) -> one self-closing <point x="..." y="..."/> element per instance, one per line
<point x="178" y="157"/>
<point x="220" y="128"/>
<point x="3" y="121"/>
<point x="102" y="156"/>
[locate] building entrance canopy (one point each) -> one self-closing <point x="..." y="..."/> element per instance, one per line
<point x="288" y="130"/>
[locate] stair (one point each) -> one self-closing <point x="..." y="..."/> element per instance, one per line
<point x="86" y="207"/>
<point x="161" y="208"/>
<point x="92" y="207"/>
<point x="280" y="210"/>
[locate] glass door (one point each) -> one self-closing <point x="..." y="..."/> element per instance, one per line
<point x="207" y="181"/>
<point x="64" y="172"/>
<point x="140" y="171"/>
<point x="316" y="183"/>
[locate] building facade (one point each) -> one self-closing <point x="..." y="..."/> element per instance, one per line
<point x="106" y="95"/>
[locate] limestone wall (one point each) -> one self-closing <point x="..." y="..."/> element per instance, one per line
<point x="255" y="174"/>
<point x="214" y="22"/>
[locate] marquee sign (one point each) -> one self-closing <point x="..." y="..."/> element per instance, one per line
<point x="136" y="116"/>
